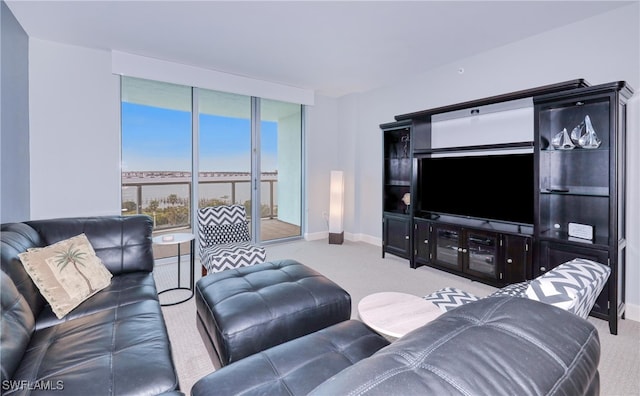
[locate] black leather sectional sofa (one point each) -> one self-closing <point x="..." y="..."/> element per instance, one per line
<point x="115" y="343"/>
<point x="495" y="346"/>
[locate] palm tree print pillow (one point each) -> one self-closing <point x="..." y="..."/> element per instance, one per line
<point x="66" y="273"/>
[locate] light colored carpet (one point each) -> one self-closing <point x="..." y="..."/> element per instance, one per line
<point x="360" y="269"/>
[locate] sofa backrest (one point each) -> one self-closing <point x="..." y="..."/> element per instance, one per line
<point x="123" y="243"/>
<point x="494" y="346"/>
<point x="16" y="327"/>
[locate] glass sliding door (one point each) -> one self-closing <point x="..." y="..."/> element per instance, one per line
<point x="156" y="153"/>
<point x="224" y="149"/>
<point x="247" y="150"/>
<point x="281" y="169"/>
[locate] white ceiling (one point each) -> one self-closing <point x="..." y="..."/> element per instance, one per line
<point x="332" y="47"/>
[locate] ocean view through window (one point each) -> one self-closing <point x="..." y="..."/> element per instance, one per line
<point x="158" y="156"/>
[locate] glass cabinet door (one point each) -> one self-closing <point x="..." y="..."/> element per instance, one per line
<point x="482" y="254"/>
<point x="448" y="250"/>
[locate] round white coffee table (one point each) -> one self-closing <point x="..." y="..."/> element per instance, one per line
<point x="395" y="314"/>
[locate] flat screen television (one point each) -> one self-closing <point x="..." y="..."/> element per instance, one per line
<point x="488" y="187"/>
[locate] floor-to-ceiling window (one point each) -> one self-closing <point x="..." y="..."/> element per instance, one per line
<point x="240" y="142"/>
<point x="224" y="149"/>
<point x="156" y="152"/>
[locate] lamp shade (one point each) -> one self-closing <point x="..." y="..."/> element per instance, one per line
<point x="336" y="208"/>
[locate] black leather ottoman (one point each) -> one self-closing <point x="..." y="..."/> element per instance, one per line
<point x="246" y="310"/>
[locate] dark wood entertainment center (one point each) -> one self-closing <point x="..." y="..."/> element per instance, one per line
<point x="579" y="186"/>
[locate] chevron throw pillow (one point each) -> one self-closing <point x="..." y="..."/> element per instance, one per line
<point x="226" y="233"/>
<point x="512" y="290"/>
<point x="552" y="293"/>
<point x="449" y="298"/>
<point x="574" y="285"/>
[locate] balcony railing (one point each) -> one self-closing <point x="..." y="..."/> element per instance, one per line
<point x="166" y="196"/>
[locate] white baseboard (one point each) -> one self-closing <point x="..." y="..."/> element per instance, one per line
<point x="632" y="312"/>
<point x="363" y="238"/>
<point x="314" y="236"/>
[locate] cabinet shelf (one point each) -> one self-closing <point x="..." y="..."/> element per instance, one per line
<point x="398" y="183"/>
<point x="397" y="213"/>
<point x="395" y="158"/>
<point x="484" y="147"/>
<point x="577" y="172"/>
<point x="549" y="235"/>
<point x="573" y="151"/>
<point x="397" y="172"/>
<point x="578" y="191"/>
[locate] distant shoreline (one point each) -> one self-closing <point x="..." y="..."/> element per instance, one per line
<point x="164" y="177"/>
<point x="146" y="186"/>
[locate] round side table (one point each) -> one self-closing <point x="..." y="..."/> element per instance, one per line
<point x="395" y="314"/>
<point x="179" y="239"/>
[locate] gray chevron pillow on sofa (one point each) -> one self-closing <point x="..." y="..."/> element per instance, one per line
<point x="573" y="286"/>
<point x="512" y="290"/>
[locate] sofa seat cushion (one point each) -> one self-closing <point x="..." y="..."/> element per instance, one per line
<point x="487" y="347"/>
<point x="124" y="350"/>
<point x="296" y="367"/>
<point x="127" y="288"/>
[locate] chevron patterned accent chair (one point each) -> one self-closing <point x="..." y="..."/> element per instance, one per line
<point x="224" y="239"/>
<point x="573" y="286"/>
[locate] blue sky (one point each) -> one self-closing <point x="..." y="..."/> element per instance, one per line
<point x="154" y="138"/>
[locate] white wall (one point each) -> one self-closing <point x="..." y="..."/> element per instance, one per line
<point x="14" y="119"/>
<point x="74" y="131"/>
<point x="600" y="49"/>
<point x="322" y="140"/>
